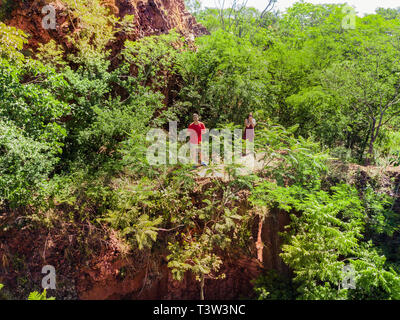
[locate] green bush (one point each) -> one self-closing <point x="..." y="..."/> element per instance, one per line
<point x="25" y="165"/>
<point x="30" y="105"/>
<point x="273" y="286"/>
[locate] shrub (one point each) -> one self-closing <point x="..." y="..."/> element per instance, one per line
<point x="31" y="106"/>
<point x="25" y="165"/>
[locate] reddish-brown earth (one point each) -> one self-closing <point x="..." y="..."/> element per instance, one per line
<point x="153" y="279"/>
<point x="91" y="264"/>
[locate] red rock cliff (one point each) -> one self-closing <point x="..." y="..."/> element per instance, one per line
<point x="152" y="17"/>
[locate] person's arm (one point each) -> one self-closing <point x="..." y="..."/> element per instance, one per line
<point x="203" y="128"/>
<point x="246" y="123"/>
<point x="254" y="122"/>
<point x="192" y="133"/>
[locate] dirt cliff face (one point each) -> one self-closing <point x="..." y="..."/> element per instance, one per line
<point x="152" y="279"/>
<point x="90" y="262"/>
<point x="152" y="17"/>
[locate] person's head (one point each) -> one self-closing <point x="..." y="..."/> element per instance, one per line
<point x="250" y="115"/>
<point x="195" y="117"/>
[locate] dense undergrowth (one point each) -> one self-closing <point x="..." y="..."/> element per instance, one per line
<point x="73" y="133"/>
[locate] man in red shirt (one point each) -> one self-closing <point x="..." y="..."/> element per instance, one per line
<point x="196" y="129"/>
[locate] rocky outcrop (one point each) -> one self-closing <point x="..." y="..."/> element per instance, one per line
<point x="152" y="17"/>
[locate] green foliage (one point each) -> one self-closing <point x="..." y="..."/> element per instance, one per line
<point x="379" y="208"/>
<point x="94" y="28"/>
<point x="24" y="165"/>
<point x="242" y="21"/>
<point x="368" y="87"/>
<point x="287" y="158"/>
<point x="36" y="295"/>
<point x="32" y="136"/>
<point x="223" y="79"/>
<point x="12" y="41"/>
<point x="193" y="6"/>
<point x="323" y="238"/>
<point x="39" y="296"/>
<point x="143" y="207"/>
<point x="153" y="58"/>
<point x="272" y="286"/>
<point x="388" y="13"/>
<point x="32" y="106"/>
<point x="196" y="256"/>
<point x="51" y="54"/>
<point x="131" y="215"/>
<point x="388" y="148"/>
<point x="115" y="121"/>
<point x="295" y="78"/>
<point x="86" y="194"/>
<point x="100" y="119"/>
<point x="217" y="225"/>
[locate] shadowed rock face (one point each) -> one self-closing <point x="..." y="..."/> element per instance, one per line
<point x="152" y="17"/>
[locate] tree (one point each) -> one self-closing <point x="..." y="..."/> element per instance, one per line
<point x="388" y="13"/>
<point x="222" y="80"/>
<point x="239" y="19"/>
<point x="370" y="86"/>
<point x="195" y="255"/>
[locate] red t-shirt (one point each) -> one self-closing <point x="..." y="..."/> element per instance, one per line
<point x="195" y="138"/>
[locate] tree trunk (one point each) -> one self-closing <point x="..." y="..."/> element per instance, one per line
<point x="364" y="145"/>
<point x="368" y="160"/>
<point x="374" y="134"/>
<point x="202" y="288"/>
